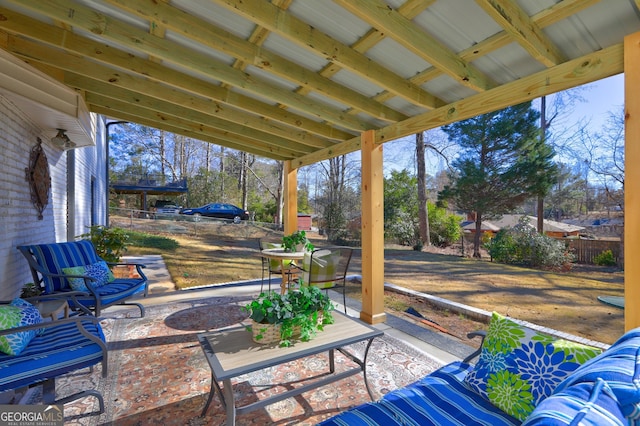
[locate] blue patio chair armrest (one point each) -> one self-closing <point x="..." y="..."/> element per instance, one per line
<point x="479" y="333"/>
<point x="79" y="323"/>
<point x="141" y="265"/>
<point x="66" y="295"/>
<point x="54" y="323"/>
<point x="62" y="295"/>
<point x="88" y="281"/>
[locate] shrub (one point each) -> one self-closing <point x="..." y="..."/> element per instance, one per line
<point x="523" y="245"/>
<point x="444" y="228"/>
<point x="110" y="243"/>
<point x="605" y="258"/>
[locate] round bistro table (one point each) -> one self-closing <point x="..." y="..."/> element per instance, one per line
<point x="282" y="256"/>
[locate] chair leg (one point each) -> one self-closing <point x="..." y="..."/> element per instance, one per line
<point x="344" y="297"/>
<point x="49" y="395"/>
<point x="269" y="282"/>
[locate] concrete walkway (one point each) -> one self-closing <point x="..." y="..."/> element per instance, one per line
<point x="442" y="347"/>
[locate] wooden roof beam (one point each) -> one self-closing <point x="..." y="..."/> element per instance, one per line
<point x="128" y="64"/>
<point x="596" y="66"/>
<point x="249" y="53"/>
<point x="137" y="100"/>
<point x="413" y="38"/>
<point x="285" y="24"/>
<point x="119" y="115"/>
<point x="523" y="30"/>
<point x="139" y="40"/>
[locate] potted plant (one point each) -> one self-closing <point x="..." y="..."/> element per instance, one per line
<point x="296" y="242"/>
<point x="298" y="314"/>
<point x="30" y="290"/>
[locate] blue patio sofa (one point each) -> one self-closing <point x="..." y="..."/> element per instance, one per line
<point x="59" y="347"/>
<point x="581" y="388"/>
<point x="48" y="261"/>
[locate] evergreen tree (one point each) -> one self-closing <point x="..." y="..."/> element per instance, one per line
<point x="502" y="162"/>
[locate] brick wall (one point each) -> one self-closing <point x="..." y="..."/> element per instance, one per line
<point x="19" y="222"/>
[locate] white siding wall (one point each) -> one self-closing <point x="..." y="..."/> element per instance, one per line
<point x="87" y="165"/>
<point x="19" y="222"/>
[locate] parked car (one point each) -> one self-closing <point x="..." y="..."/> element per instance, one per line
<point x="219" y="210"/>
<point x="166" y="207"/>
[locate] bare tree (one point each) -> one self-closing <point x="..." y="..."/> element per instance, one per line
<point x="423" y="213"/>
<point x="605" y="156"/>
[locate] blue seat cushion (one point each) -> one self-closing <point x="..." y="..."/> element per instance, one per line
<point x="619" y="366"/>
<point x="441" y="398"/>
<point x="584" y="404"/>
<point x="58" y="350"/>
<point x="112" y="292"/>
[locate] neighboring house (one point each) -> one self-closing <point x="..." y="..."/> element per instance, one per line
<point x="32" y="106"/>
<point x="550" y="227"/>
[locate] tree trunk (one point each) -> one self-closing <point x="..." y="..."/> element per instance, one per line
<point x="243" y="179"/>
<point x="279" y="199"/>
<point x="423" y="214"/>
<point x="543" y="133"/>
<point x="222" y="172"/>
<point x="163" y="153"/>
<point x="477" y="235"/>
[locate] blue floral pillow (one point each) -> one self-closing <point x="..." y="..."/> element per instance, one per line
<point x="519" y="367"/>
<point x="18" y="313"/>
<point x="99" y="270"/>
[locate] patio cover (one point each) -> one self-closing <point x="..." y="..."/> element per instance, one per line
<point x="306" y="80"/>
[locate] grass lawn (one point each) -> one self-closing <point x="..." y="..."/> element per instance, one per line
<point x="564" y="301"/>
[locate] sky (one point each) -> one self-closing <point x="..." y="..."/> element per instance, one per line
<point x="603" y="96"/>
<point x="600" y="98"/>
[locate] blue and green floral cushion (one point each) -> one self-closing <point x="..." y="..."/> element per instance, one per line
<point x="519" y="367"/>
<point x="18" y="313"/>
<point x="99" y="270"/>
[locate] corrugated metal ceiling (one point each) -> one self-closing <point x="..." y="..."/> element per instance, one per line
<point x="301" y="79"/>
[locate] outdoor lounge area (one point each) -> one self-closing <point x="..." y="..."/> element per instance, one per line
<point x="297" y="84"/>
<point x="158" y="372"/>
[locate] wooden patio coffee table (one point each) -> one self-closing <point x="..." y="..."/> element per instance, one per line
<point x="232" y="353"/>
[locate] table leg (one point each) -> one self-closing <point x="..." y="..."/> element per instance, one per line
<point x="231" y="403"/>
<point x="214" y="387"/>
<point x="364" y="369"/>
<point x="285" y="280"/>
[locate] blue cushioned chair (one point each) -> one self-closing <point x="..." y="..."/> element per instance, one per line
<point x="47" y="262"/>
<point x="63" y="346"/>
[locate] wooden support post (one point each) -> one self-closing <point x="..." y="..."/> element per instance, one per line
<point x="290" y="198"/>
<point x="632" y="181"/>
<point x="372" y="231"/>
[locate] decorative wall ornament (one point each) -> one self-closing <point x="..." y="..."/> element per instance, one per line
<point x="39" y="178"/>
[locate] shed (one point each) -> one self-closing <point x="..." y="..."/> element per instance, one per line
<point x="304" y="222"/>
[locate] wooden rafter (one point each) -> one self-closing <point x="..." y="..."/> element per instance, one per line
<point x="199" y="63"/>
<point x="521" y="28"/>
<point x="415" y="39"/>
<point x="587" y="69"/>
<point x="297" y="31"/>
<point x="248" y="52"/>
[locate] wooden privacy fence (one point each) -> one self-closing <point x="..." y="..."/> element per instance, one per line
<point x="586" y="250"/>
